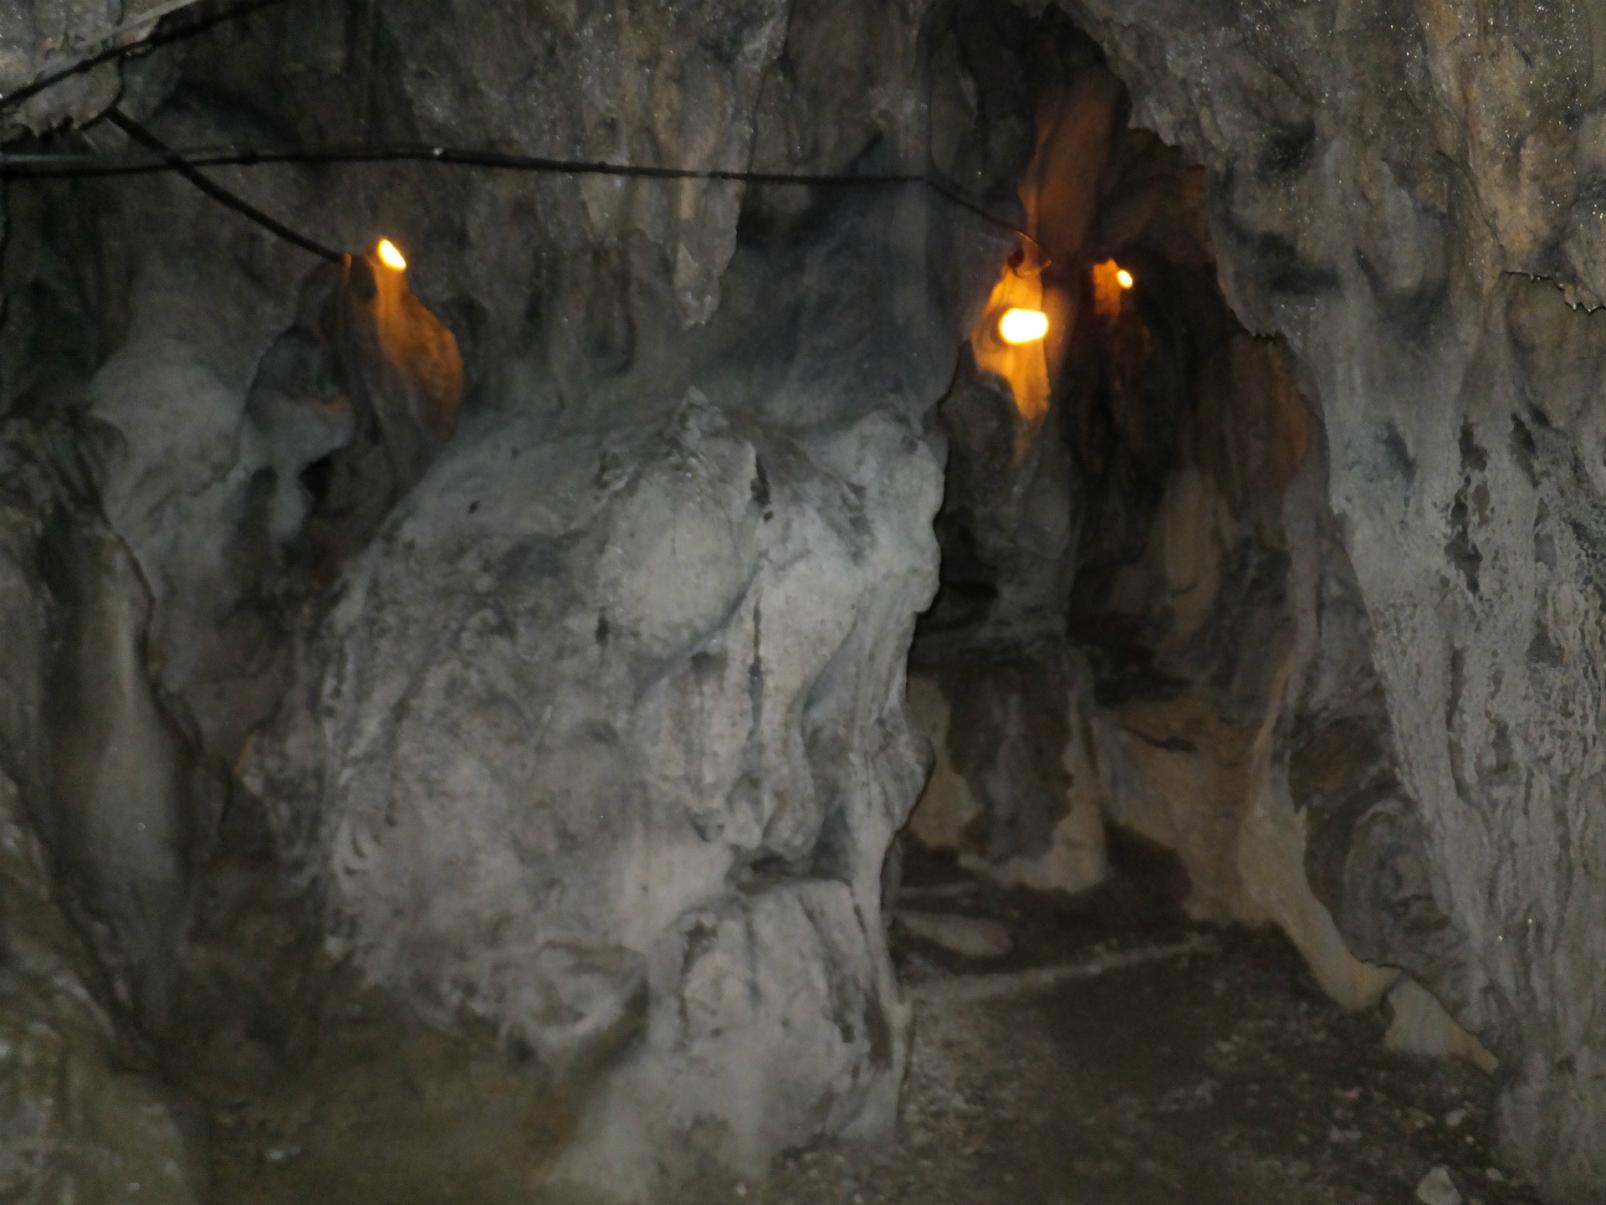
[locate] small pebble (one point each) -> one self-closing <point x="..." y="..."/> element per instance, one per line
<point x="1437" y="1188"/>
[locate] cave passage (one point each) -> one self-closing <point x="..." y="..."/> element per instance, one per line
<point x="746" y="676"/>
<point x="1108" y="906"/>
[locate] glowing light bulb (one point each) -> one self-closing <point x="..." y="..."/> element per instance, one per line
<point x="1125" y="279"/>
<point x="1022" y="326"/>
<point x="390" y="255"/>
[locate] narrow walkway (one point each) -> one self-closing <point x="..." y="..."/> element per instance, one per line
<point x="1096" y="1051"/>
<point x="1116" y="1056"/>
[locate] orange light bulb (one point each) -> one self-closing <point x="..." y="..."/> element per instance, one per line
<point x="1022" y="326"/>
<point x="390" y="255"/>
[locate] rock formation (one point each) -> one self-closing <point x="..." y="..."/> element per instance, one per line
<point x="1392" y="196"/>
<point x="549" y="604"/>
<point x="1403" y="194"/>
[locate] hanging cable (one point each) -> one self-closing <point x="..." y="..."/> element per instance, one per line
<point x="57" y="165"/>
<point x="187" y="163"/>
<point x="216" y="191"/>
<point x="110" y="45"/>
<point x="48" y="166"/>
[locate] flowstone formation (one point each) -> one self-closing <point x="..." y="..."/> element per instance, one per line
<point x="81" y="1118"/>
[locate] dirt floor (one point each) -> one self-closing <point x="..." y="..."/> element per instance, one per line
<point x="1118" y="1056"/>
<point x="1090" y="1051"/>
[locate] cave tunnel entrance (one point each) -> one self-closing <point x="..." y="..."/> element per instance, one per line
<point x="1118" y="573"/>
<point x="1144" y="616"/>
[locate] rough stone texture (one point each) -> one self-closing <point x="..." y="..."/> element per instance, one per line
<point x="1235" y="1083"/>
<point x="40" y="37"/>
<point x="1013" y="787"/>
<point x="603" y="721"/>
<point x="1140" y="523"/>
<point x="601" y="704"/>
<point x="91" y="842"/>
<point x="1009" y="526"/>
<point x="1222" y="699"/>
<point x="750" y="1048"/>
<point x="1437" y="1188"/>
<point x="596" y="719"/>
<point x="193" y="435"/>
<point x="1407" y="194"/>
<point x="1188" y="608"/>
<point x="969" y="936"/>
<point x="79" y="1121"/>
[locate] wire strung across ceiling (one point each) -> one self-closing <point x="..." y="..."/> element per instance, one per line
<point x="187" y="163"/>
<point x="173" y="161"/>
<point x="49" y="166"/>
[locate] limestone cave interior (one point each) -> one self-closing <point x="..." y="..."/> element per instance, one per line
<point x="942" y="601"/>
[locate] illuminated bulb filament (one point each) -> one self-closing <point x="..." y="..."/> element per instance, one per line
<point x="1022" y="326"/>
<point x="1124" y="279"/>
<point x="390" y="255"/>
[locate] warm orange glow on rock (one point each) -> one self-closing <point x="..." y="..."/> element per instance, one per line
<point x="1110" y="283"/>
<point x="390" y="255"/>
<point x="1023" y="326"/>
<point x="1012" y="338"/>
<point x="420" y="354"/>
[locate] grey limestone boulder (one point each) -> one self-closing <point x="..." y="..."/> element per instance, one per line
<point x="603" y="743"/>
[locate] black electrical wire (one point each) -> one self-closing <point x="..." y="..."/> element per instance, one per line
<point x="187" y="163"/>
<point x="47" y="166"/>
<point x="216" y="191"/>
<point x="56" y="165"/>
<point x="161" y="36"/>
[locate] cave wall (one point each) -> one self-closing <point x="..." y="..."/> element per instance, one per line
<point x="1164" y="559"/>
<point x="575" y="702"/>
<point x="1405" y="193"/>
<point x="82" y="1117"/>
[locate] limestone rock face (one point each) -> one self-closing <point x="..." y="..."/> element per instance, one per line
<point x="1131" y="549"/>
<point x="1404" y="194"/>
<point x="39" y="38"/>
<point x="584" y="703"/>
<point x="588" y="700"/>
<point x="79" y="1122"/>
<point x="1213" y="688"/>
<point x="588" y="696"/>
<point x="1014" y="787"/>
